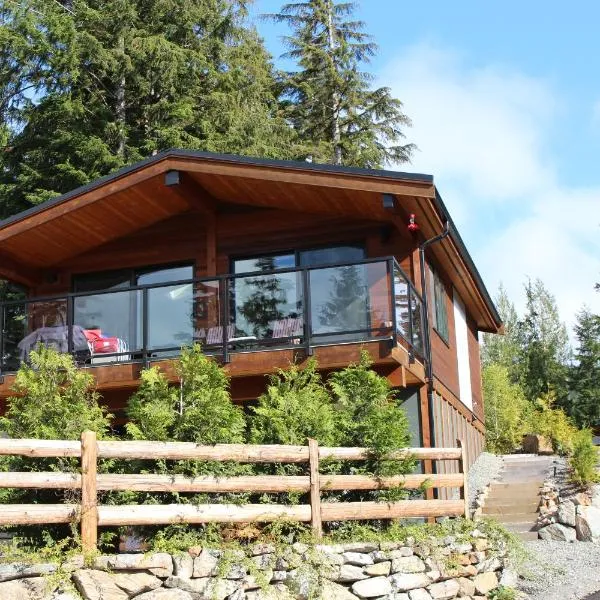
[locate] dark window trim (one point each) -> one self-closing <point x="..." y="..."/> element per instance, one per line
<point x="435" y="305"/>
<point x="362" y="243"/>
<point x="132" y="270"/>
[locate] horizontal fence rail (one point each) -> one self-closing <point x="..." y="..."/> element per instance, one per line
<point x="90" y="515"/>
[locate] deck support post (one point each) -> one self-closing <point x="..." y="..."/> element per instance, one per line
<point x="89" y="494"/>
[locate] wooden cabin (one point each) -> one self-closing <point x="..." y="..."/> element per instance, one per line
<point x="263" y="262"/>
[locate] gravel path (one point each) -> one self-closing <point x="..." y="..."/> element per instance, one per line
<point x="484" y="470"/>
<point x="561" y="570"/>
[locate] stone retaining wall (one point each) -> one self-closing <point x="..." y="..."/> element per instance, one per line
<point x="567" y="514"/>
<point x="411" y="570"/>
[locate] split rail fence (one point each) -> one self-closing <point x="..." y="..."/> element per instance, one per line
<point x="91" y="515"/>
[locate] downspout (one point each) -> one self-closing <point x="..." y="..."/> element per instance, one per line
<point x="426" y="336"/>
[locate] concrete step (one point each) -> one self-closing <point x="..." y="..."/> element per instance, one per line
<point x="528" y="517"/>
<point x="521" y="526"/>
<point x="515" y="508"/>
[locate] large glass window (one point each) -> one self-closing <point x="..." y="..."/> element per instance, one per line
<point x="119" y="314"/>
<point x="439" y="310"/>
<point x="264" y="299"/>
<point x="339" y="295"/>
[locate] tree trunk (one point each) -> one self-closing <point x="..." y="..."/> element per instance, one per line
<point x="335" y="95"/>
<point x="120" y="102"/>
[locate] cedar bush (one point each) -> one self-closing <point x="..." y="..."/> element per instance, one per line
<point x="55" y="400"/>
<point x="584" y="458"/>
<point x="296" y="406"/>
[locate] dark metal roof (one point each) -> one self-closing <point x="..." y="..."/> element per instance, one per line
<point x="266" y="162"/>
<point x="462" y="248"/>
<point x="191" y="154"/>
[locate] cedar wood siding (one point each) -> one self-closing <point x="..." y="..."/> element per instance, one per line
<point x="183" y="239"/>
<point x="443" y="355"/>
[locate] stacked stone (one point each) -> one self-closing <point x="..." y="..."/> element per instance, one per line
<point x="576" y="517"/>
<point x="548" y="509"/>
<point x="435" y="570"/>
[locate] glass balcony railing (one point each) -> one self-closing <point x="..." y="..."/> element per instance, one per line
<point x="288" y="308"/>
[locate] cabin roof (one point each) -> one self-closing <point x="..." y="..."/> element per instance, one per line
<point x="135" y="197"/>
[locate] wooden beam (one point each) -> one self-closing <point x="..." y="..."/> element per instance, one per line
<point x="13" y="270"/>
<point x="194" y="194"/>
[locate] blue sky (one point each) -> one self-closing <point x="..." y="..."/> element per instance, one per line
<point x="505" y="103"/>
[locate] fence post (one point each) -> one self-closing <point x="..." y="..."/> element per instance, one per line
<point x="315" y="488"/>
<point x="462" y="466"/>
<point x="89" y="495"/>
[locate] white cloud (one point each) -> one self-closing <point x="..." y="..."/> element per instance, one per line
<point x="484" y="133"/>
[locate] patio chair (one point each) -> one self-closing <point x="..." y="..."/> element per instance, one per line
<point x="289" y="328"/>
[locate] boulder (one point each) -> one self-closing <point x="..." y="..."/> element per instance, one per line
<point x="485" y="582"/>
<point x="19" y="570"/>
<point x="444" y="590"/>
<point x="97" y="585"/>
<point x="360" y="547"/>
<point x="276" y="592"/>
<point x="400" y="552"/>
<point x="403" y="582"/>
<point x="204" y="588"/>
<point x="334" y="591"/>
<point x="372" y="588"/>
<point x="359" y="559"/>
<point x="349" y="574"/>
<point x="31" y="588"/>
<point x="588" y="524"/>
<point x="466" y="587"/>
<point x="159" y="564"/>
<point x="381" y="568"/>
<point x="566" y="513"/>
<point x="595" y="495"/>
<point x="165" y="594"/>
<point x="418" y="594"/>
<point x="136" y="583"/>
<point x="537" y="444"/>
<point x="263" y="549"/>
<point x="556" y="531"/>
<point x="408" y="564"/>
<point x="183" y="565"/>
<point x="206" y="564"/>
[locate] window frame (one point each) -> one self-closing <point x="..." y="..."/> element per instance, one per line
<point x="439" y="306"/>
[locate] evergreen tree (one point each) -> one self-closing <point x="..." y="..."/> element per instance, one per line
<point x="544" y="345"/>
<point x="329" y="99"/>
<point x="96" y="84"/>
<point x="584" y="390"/>
<point x="503" y="350"/>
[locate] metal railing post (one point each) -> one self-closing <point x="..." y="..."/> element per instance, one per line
<point x="392" y="279"/>
<point x="145" y="325"/>
<point x="306" y="307"/>
<point x="70" y="319"/>
<point x="2" y="340"/>
<point x="411" y="345"/>
<point x="225" y="317"/>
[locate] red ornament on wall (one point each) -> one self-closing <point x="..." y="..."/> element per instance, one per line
<point x="412" y="225"/>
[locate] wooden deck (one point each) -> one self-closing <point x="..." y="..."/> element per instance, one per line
<point x="248" y="369"/>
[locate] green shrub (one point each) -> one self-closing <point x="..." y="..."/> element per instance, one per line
<point x="584" y="458"/>
<point x="198" y="410"/>
<point x="296" y="406"/>
<point x="55" y="400"/>
<point x="368" y="415"/>
<point x="552" y="423"/>
<point x="506" y="409"/>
